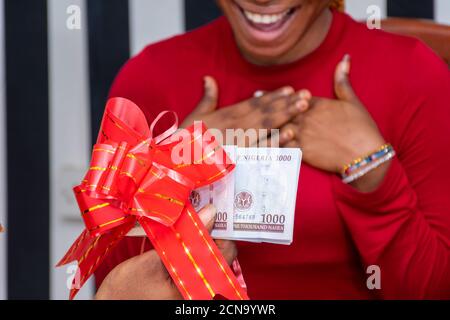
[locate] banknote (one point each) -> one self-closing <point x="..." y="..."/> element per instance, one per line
<point x="265" y="194"/>
<point x="256" y="202"/>
<point x="221" y="195"/>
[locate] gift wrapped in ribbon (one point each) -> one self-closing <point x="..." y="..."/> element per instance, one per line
<point x="133" y="178"/>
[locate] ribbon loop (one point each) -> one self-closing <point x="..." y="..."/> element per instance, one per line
<point x="169" y="131"/>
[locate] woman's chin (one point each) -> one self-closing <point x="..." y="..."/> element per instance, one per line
<point x="263" y="56"/>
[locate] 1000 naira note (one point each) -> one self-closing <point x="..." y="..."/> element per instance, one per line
<point x="265" y="193"/>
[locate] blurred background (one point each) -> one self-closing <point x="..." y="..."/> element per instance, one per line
<point x="55" y="73"/>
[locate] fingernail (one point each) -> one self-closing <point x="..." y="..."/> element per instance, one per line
<point x="207" y="214"/>
<point x="206" y="82"/>
<point x="301" y="105"/>
<point x="346" y="64"/>
<point x="287" y="91"/>
<point x="288" y="135"/>
<point x="304" y="94"/>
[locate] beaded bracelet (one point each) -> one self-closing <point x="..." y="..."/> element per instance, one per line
<point x="361" y="166"/>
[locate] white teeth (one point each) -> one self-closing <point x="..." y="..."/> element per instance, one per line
<point x="264" y="18"/>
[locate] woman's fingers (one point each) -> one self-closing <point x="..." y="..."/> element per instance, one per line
<point x="295" y="104"/>
<point x="207" y="104"/>
<point x="263" y="99"/>
<point x="305" y="99"/>
<point x="283" y="110"/>
<point x="268" y="97"/>
<point x="210" y="96"/>
<point x="228" y="250"/>
<point x="287" y="134"/>
<point x="276" y="112"/>
<point x="342" y="86"/>
<point x="207" y="215"/>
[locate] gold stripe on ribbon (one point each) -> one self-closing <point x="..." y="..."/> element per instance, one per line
<point x="129" y="175"/>
<point x="96" y="207"/>
<point x="74" y="248"/>
<point x="171" y="267"/>
<point x="111" y="222"/>
<point x="98" y="168"/>
<point x="219" y="173"/>
<point x="214" y="255"/>
<point x="156" y="174"/>
<point x="116" y="124"/>
<point x="101" y="256"/>
<point x="197" y="268"/>
<point x="162" y="196"/>
<point x="139" y="160"/>
<point x="89" y="250"/>
<point x="95" y="186"/>
<point x="103" y="168"/>
<point x="196" y="138"/>
<point x="152" y="211"/>
<point x="104" y="150"/>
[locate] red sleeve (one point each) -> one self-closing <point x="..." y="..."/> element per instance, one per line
<point x="404" y="226"/>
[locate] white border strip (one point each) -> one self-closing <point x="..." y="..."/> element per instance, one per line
<point x="3" y="182"/>
<point x="151" y="21"/>
<point x="358" y="8"/>
<point x="442" y="11"/>
<point x="69" y="134"/>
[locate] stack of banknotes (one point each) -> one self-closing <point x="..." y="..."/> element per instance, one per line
<point x="256" y="202"/>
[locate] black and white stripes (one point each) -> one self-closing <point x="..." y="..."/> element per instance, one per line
<point x="109" y="49"/>
<point x="70" y="134"/>
<point x="53" y="85"/>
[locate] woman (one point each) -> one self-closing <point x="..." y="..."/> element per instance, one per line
<point x="338" y="91"/>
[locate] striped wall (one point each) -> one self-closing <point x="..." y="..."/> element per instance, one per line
<point x="53" y="84"/>
<point x="358" y="8"/>
<point x="442" y="11"/>
<point x="70" y="137"/>
<point x="151" y="21"/>
<point x="27" y="151"/>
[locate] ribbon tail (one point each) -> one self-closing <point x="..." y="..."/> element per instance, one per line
<point x="204" y="249"/>
<point x="175" y="259"/>
<point x="201" y="272"/>
<point x="74" y="252"/>
<point x="91" y="254"/>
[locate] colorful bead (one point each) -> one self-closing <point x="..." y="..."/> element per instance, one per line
<point x="360" y="166"/>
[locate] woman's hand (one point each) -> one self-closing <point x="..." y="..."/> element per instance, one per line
<point x="144" y="277"/>
<point x="269" y="111"/>
<point x="332" y="133"/>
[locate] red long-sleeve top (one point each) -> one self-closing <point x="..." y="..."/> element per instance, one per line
<point x="403" y="227"/>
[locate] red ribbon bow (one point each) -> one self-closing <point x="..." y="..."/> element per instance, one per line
<point x="133" y="178"/>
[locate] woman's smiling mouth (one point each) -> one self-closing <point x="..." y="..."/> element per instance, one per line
<point x="266" y="25"/>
